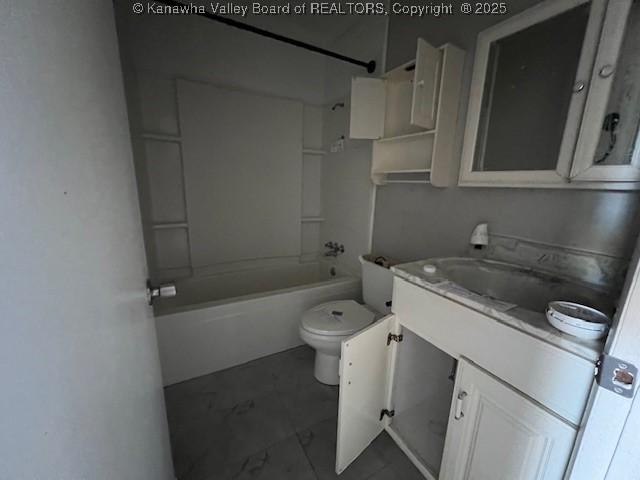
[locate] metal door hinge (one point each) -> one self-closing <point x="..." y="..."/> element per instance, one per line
<point x="389" y="413"/>
<point x="616" y="375"/>
<point x="395" y="338"/>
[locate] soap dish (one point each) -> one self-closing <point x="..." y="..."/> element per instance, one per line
<point x="578" y="320"/>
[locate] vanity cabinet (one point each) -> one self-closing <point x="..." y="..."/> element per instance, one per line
<point x="508" y="415"/>
<point x="411" y="114"/>
<point x="555" y="99"/>
<point x="496" y="432"/>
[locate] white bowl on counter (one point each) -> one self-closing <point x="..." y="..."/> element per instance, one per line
<point x="578" y="320"/>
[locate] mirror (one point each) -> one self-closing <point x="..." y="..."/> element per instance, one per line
<point x="528" y="88"/>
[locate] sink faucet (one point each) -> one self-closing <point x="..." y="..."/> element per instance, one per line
<point x="335" y="249"/>
<point x="480" y="236"/>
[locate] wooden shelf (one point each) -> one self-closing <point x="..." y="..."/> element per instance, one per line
<point x="417" y="170"/>
<point x="401" y="176"/>
<point x="313" y="151"/>
<point x="161" y="136"/>
<point x="406" y="136"/>
<point x="423" y="182"/>
<point x="164" y="226"/>
<point x="312" y="219"/>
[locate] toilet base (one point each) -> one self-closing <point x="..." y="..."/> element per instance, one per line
<point x="326" y="368"/>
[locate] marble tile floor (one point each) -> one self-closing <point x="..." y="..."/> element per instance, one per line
<point x="270" y="420"/>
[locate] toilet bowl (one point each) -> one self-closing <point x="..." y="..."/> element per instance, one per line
<point x="325" y="326"/>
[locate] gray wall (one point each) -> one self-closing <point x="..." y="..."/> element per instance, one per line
<point x="414" y="222"/>
<point x="190" y="47"/>
<point x="347" y="191"/>
<point x="81" y="389"/>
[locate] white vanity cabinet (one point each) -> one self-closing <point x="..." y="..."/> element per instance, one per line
<point x="555" y="99"/>
<point x="513" y="411"/>
<point x="411" y="113"/>
<point x="496" y="432"/>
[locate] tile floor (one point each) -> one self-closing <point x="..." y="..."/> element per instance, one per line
<point x="271" y="420"/>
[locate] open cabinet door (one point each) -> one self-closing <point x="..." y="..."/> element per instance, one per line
<point x="612" y="94"/>
<point x="368" y="103"/>
<point x="364" y="373"/>
<point x="426" y="81"/>
<point x="608" y="441"/>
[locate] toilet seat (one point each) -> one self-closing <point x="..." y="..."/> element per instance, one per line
<point x="322" y="320"/>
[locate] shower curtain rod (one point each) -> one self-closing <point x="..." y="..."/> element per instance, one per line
<point x="370" y="66"/>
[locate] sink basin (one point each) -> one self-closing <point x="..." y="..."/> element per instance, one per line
<point x="515" y="284"/>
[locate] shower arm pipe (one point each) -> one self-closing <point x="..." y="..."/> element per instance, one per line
<point x="370" y="66"/>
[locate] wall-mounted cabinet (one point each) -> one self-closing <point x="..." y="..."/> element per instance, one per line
<point x="555" y="98"/>
<point x="411" y="113"/>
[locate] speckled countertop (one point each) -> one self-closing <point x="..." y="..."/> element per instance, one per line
<point x="530" y="322"/>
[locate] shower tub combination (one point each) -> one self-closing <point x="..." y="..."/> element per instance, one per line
<point x="227" y="319"/>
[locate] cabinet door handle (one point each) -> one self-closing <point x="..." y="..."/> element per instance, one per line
<point x="458" y="414"/>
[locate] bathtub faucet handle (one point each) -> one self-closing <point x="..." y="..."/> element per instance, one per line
<point x="335" y="249"/>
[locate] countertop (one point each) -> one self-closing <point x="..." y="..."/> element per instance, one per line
<point x="527" y="321"/>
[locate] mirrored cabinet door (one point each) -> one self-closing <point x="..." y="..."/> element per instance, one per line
<point x="528" y="91"/>
<point x="555" y="98"/>
<point x="608" y="147"/>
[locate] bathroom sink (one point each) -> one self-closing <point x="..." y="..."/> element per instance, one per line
<point x="515" y="284"/>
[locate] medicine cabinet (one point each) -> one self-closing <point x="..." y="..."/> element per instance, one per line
<point x="555" y="98"/>
<point x="411" y="112"/>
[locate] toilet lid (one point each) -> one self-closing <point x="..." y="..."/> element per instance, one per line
<point x="325" y="319"/>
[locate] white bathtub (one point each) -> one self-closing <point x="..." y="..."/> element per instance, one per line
<point x="223" y="320"/>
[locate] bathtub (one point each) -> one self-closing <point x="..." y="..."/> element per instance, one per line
<point x="222" y="320"/>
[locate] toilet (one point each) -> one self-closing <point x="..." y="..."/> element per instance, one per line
<point x="325" y="326"/>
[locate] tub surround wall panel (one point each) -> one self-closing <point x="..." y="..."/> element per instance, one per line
<point x="413" y="222"/>
<point x="242" y="173"/>
<point x="312" y="212"/>
<point x="164" y="176"/>
<point x="157" y="53"/>
<point x="159" y="106"/>
<point x="312" y="126"/>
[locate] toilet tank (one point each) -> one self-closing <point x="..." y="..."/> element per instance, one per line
<point x="377" y="282"/>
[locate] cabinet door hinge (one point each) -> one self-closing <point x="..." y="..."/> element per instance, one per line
<point x="389" y="413"/>
<point x="392" y="337"/>
<point x="616" y="375"/>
